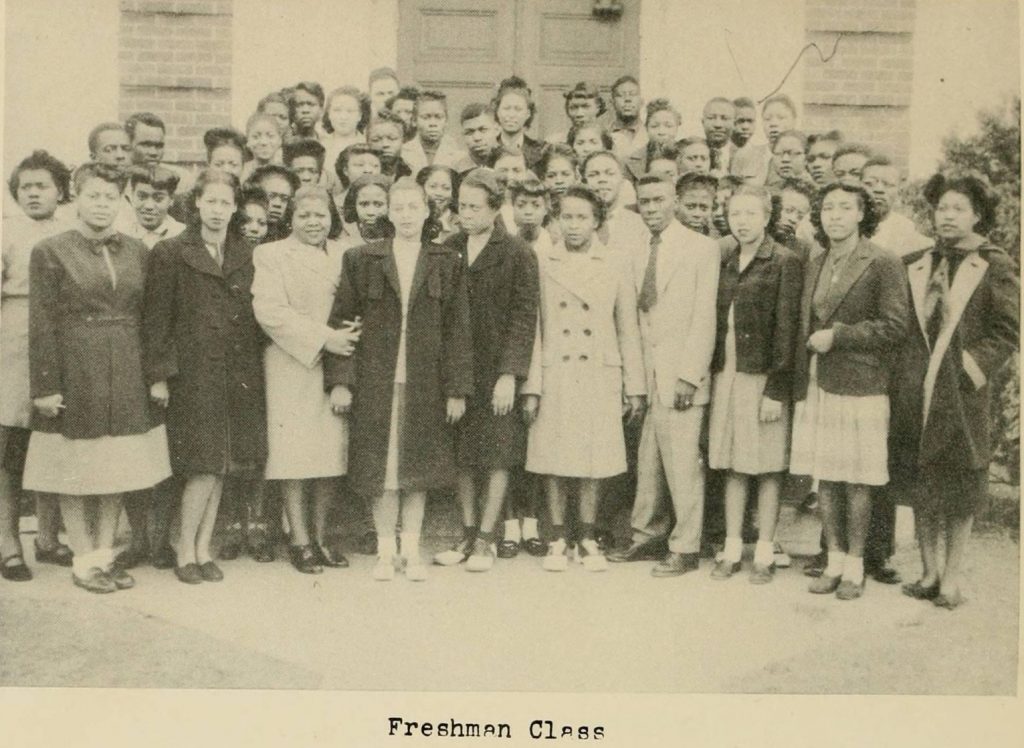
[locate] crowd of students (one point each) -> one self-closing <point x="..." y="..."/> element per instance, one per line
<point x="553" y="331"/>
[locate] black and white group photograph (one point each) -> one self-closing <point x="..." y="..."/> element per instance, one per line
<point x="492" y="346"/>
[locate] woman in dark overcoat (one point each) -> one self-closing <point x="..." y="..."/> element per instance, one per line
<point x="503" y="285"/>
<point x="204" y="361"/>
<point x="410" y="376"/>
<point x="95" y="435"/>
<point x="965" y="295"/>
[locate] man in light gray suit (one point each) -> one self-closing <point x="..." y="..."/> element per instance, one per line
<point x="676" y="275"/>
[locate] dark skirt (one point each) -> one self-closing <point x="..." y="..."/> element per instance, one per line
<point x="950" y="491"/>
<point x="485" y="441"/>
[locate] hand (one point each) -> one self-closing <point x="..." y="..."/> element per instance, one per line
<point x="634" y="407"/>
<point x="341" y="399"/>
<point x="159" y="393"/>
<point x="771" y="410"/>
<point x="50" y="406"/>
<point x="684" y="394"/>
<point x="531" y="405"/>
<point x="504" y="395"/>
<point x="821" y="341"/>
<point x="342" y="342"/>
<point x="456" y="409"/>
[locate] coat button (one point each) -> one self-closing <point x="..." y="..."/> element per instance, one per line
<point x="565" y="357"/>
<point x="583" y="357"/>
<point x="564" y="304"/>
<point x="586" y="332"/>
<point x="586" y="307"/>
<point x="565" y="332"/>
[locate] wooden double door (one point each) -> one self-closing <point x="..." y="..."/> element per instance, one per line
<point x="464" y="47"/>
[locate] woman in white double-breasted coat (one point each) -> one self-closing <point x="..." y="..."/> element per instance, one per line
<point x="587" y="367"/>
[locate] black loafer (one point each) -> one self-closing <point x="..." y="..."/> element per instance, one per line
<point x="95" y="580"/>
<point x="210" y="572"/>
<point x="884" y="574"/>
<point x="230" y="551"/>
<point x="121" y="578"/>
<point x="724" y="570"/>
<point x="18" y="572"/>
<point x="508" y="549"/>
<point x="132" y="557"/>
<point x="304" y="560"/>
<point x="262" y="553"/>
<point x="163" y="558"/>
<point x="535" y="547"/>
<point x="676" y="564"/>
<point x="189" y="574"/>
<point x="918" y="591"/>
<point x="648" y="550"/>
<point x="59" y="556"/>
<point x="816" y="566"/>
<point x="326" y="557"/>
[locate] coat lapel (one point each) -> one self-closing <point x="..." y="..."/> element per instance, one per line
<point x="917" y="275"/>
<point x="575" y="281"/>
<point x="237" y="254"/>
<point x="383" y="250"/>
<point x="855" y="267"/>
<point x="972" y="269"/>
<point x="196" y="255"/>
<point x="811" y="279"/>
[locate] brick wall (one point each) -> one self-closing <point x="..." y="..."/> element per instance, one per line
<point x="865" y="89"/>
<point x="175" y="61"/>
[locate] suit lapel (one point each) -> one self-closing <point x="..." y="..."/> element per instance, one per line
<point x="972" y="269"/>
<point x="850" y="274"/>
<point x="917" y="275"/>
<point x="811" y="279"/>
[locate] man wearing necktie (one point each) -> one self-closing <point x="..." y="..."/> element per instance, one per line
<point x="676" y="273"/>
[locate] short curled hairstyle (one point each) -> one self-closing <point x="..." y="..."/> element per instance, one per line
<point x="301" y="147"/>
<point x="251" y="195"/>
<point x="868" y="224"/>
<point x="313" y="192"/>
<point x="216" y="137"/>
<point x="516" y="85"/>
<point x="599" y="154"/>
<point x="346" y="155"/>
<point x="41" y="160"/>
<point x="606" y="139"/>
<point x="971" y="185"/>
<point x="761" y="193"/>
<point x="487" y="180"/>
<point x="696" y="181"/>
<point x="209" y="176"/>
<point x="584" y="90"/>
<point x="276" y="170"/>
<point x="663" y="105"/>
<point x="362" y="101"/>
<point x="781" y="100"/>
<point x="796" y="135"/>
<point x="529" y="187"/>
<point x="92" y="170"/>
<point x="551" y="152"/>
<point x="582" y="192"/>
<point x="427" y="172"/>
<point x="660" y="152"/>
<point x="348" y="208"/>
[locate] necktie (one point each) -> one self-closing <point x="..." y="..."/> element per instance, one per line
<point x="936" y="298"/>
<point x="649" y="289"/>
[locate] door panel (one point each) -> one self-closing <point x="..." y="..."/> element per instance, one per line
<point x="464" y="47"/>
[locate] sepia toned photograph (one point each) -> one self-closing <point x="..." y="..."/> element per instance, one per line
<point x="492" y="346"/>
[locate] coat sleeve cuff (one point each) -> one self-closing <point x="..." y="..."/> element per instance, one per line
<point x="978" y="378"/>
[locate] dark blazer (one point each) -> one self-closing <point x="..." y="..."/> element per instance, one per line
<point x="766" y="307"/>
<point x="867" y="309"/>
<point x="532" y="151"/>
<point x="202" y="338"/>
<point x="84" y="336"/>
<point x="941" y="395"/>
<point x="439" y="363"/>
<point x="503" y="285"/>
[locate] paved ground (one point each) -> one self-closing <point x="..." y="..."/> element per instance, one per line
<point x="517" y="628"/>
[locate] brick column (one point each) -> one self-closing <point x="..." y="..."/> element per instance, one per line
<point x="865" y="89"/>
<point x="175" y="61"/>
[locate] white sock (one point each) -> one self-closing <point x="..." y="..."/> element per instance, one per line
<point x="530" y="527"/>
<point x="512" y="530"/>
<point x="764" y="553"/>
<point x="733" y="550"/>
<point x="411" y="546"/>
<point x="386" y="546"/>
<point x="853" y="569"/>
<point x="836" y="561"/>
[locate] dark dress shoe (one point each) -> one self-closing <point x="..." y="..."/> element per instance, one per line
<point x="605" y="540"/>
<point x="95" y="580"/>
<point x="648" y="550"/>
<point x="761" y="574"/>
<point x="304" y="560"/>
<point x="121" y="578"/>
<point x="326" y="557"/>
<point x="18" y="572"/>
<point x="949" y="602"/>
<point x="848" y="590"/>
<point x="824" y="585"/>
<point x="535" y="547"/>
<point x="262" y="552"/>
<point x="230" y="550"/>
<point x="884" y="574"/>
<point x="61" y="555"/>
<point x="132" y="557"/>
<point x="163" y="558"/>
<point x="210" y="572"/>
<point x="918" y="591"/>
<point x="508" y="549"/>
<point x="368" y="544"/>
<point x="724" y="570"/>
<point x="189" y="574"/>
<point x="816" y="566"/>
<point x="676" y="564"/>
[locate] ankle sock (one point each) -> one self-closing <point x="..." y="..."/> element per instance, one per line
<point x="512" y="530"/>
<point x="733" y="550"/>
<point x="530" y="528"/>
<point x="853" y="569"/>
<point x="836" y="561"/>
<point x="411" y="545"/>
<point x="764" y="553"/>
<point x="386" y="546"/>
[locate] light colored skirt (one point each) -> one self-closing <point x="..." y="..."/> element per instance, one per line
<point x="394" y="437"/>
<point x="737" y="439"/>
<point x="15" y="403"/>
<point x="96" y="467"/>
<point x="841" y="438"/>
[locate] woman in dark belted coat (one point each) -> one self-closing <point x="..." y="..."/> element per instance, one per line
<point x="204" y="360"/>
<point x="503" y="287"/>
<point x="410" y="375"/>
<point x="966" y="300"/>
